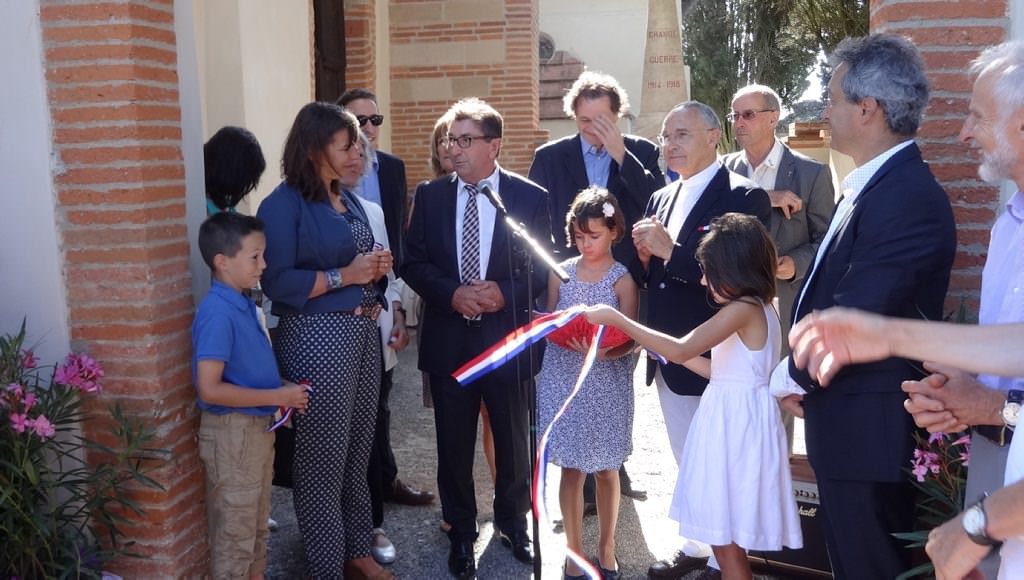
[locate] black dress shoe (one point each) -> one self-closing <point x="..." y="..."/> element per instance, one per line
<point x="519" y="542"/>
<point x="461" y="562"/>
<point x="677" y="567"/>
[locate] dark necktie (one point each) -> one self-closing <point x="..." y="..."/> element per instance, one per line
<point x="470" y="237"/>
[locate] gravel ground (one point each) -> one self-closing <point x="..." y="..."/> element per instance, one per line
<point x="644" y="533"/>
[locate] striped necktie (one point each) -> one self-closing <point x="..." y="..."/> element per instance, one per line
<point x="470" y="237"/>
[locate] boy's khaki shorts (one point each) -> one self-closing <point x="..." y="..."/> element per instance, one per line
<point x="238" y="455"/>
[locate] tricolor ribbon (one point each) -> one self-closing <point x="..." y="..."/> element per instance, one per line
<point x="507" y="348"/>
<point x="540" y="469"/>
<point x="286" y="414"/>
<point x="514" y="343"/>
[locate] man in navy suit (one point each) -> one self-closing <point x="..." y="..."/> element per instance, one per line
<point x="385" y="185"/>
<point x="458" y="259"/>
<point x="889" y="249"/>
<point x="598" y="154"/>
<point x="666" y="242"/>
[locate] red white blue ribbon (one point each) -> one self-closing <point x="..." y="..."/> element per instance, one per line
<point x="286" y="415"/>
<point x="505" y="350"/>
<point x="514" y="343"/>
<point x="540" y="469"/>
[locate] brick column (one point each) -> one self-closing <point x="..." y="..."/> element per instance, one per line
<point x="360" y="46"/>
<point x="112" y="84"/>
<point x="950" y="35"/>
<point x="448" y="50"/>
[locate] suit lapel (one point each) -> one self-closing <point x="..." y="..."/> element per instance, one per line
<point x="446" y="221"/>
<point x="785" y="178"/>
<point x="499" y="239"/>
<point x="574" y="166"/>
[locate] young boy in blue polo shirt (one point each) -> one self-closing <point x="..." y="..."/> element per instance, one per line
<point x="240" y="389"/>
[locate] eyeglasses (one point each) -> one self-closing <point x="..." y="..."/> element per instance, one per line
<point x="464" y="141"/>
<point x="745" y="115"/>
<point x="677" y="138"/>
<point x="377" y="120"/>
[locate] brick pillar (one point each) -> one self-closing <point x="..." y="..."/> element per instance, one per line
<point x="448" y="50"/>
<point x="360" y="47"/>
<point x="112" y="85"/>
<point x="950" y="35"/>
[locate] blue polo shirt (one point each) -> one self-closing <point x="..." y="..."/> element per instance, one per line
<point x="226" y="328"/>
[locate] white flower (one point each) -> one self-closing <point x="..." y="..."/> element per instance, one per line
<point x="608" y="210"/>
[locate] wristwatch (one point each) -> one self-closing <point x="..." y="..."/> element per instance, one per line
<point x="1011" y="408"/>
<point x="975" y="523"/>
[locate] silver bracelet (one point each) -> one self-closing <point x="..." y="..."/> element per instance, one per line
<point x="333" y="279"/>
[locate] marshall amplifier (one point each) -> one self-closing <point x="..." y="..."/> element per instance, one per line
<point x="811" y="561"/>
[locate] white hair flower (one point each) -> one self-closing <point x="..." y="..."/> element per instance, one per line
<point x="608" y="209"/>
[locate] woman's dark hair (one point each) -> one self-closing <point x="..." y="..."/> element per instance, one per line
<point x="234" y="163"/>
<point x="738" y="257"/>
<point x="311" y="133"/>
<point x="590" y="203"/>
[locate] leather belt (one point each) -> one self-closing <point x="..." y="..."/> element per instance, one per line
<point x="371" y="312"/>
<point x="1000" y="436"/>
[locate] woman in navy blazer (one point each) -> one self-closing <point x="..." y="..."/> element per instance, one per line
<point x="326" y="280"/>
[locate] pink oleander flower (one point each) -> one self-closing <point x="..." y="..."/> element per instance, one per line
<point x="43" y="427"/>
<point x="919" y="472"/>
<point x="29" y="360"/>
<point x="20" y="422"/>
<point x="937" y="436"/>
<point x="964" y="440"/>
<point x="30" y="400"/>
<point x="923" y="463"/>
<point x="15" y="388"/>
<point x="80" y="371"/>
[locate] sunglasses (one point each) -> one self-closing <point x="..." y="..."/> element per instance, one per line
<point x="377" y="120"/>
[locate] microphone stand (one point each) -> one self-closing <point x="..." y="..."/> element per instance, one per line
<point x="528" y="250"/>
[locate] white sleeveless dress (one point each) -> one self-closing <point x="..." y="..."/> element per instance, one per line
<point x="734" y="481"/>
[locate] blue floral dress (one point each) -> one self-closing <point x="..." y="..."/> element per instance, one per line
<point x="596" y="431"/>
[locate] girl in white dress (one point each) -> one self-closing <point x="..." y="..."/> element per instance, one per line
<point x="734" y="490"/>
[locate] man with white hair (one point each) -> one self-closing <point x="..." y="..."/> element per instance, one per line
<point x="995" y="125"/>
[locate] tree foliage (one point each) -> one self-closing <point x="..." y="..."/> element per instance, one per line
<point x="729" y="44"/>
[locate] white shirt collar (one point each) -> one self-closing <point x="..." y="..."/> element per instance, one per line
<point x="700" y="180"/>
<point x="859" y="177"/>
<point x="491" y="180"/>
<point x="773" y="158"/>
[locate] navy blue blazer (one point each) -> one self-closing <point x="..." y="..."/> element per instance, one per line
<point x="431" y="268"/>
<point x="393" y="191"/>
<point x="676" y="302"/>
<point x="893" y="256"/>
<point x="558" y="167"/>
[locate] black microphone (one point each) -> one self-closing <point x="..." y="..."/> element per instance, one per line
<point x="493" y="197"/>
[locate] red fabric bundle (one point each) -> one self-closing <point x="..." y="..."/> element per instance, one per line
<point x="580" y="329"/>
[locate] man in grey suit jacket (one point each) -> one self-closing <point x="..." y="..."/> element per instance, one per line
<point x="799" y="187"/>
